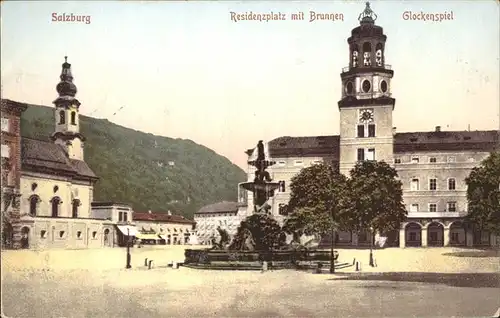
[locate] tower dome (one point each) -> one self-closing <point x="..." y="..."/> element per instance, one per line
<point x="66" y="87"/>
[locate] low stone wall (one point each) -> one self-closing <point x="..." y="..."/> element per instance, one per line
<point x="207" y="256"/>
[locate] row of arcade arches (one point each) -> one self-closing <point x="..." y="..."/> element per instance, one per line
<point x="436" y="231"/>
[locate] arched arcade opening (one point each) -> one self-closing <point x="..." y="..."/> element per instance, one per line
<point x="413" y="234"/>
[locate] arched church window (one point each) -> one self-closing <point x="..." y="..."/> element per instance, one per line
<point x="62" y="118"/>
<point x="34" y="199"/>
<point x="355" y="54"/>
<point x="367" y="54"/>
<point x="74" y="206"/>
<point x="378" y="54"/>
<point x="55" y="206"/>
<point x="73" y="118"/>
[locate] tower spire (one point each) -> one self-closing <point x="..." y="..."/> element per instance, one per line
<point x="367" y="16"/>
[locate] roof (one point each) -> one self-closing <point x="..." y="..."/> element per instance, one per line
<point x="224" y="206"/>
<point x="108" y="204"/>
<point x="486" y="140"/>
<point x="8" y="105"/>
<point x="160" y="217"/>
<point x="51" y="158"/>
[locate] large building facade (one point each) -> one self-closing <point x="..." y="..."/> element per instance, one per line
<point x="432" y="165"/>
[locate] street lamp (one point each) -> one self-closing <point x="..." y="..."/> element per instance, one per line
<point x="371" y="246"/>
<point x="128" y="249"/>
<point x="332" y="261"/>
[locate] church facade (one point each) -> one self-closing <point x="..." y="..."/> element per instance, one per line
<point x="432" y="165"/>
<point x="51" y="185"/>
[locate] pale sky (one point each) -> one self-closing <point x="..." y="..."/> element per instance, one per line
<point x="186" y="70"/>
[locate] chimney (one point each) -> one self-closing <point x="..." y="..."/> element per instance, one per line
<point x="438" y="128"/>
<point x="393" y="131"/>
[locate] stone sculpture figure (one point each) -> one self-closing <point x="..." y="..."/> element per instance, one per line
<point x="223" y="242"/>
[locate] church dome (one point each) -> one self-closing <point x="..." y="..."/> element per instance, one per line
<point x="66" y="86"/>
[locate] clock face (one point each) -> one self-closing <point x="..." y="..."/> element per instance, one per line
<point x="366" y="116"/>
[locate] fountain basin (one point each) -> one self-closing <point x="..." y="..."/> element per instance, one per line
<point x="267" y="187"/>
<point x="252" y="260"/>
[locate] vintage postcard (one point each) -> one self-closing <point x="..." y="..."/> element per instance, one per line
<point x="250" y="159"/>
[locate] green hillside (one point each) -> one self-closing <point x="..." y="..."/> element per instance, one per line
<point x="134" y="166"/>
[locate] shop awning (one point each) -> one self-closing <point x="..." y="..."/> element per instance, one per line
<point x="147" y="236"/>
<point x="127" y="229"/>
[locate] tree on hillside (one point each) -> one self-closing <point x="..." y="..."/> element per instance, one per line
<point x="483" y="194"/>
<point x="316" y="193"/>
<point x="375" y="198"/>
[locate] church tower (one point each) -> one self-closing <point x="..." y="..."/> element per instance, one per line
<point x="366" y="106"/>
<point x="67" y="132"/>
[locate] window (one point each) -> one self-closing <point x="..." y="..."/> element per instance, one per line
<point x="433" y="236"/>
<point x="79" y="234"/>
<point x="414" y="160"/>
<point x="432" y="207"/>
<point x="282" y="186"/>
<point x="451" y="159"/>
<point x="361" y="154"/>
<point x="413" y="236"/>
<point x="299" y="162"/>
<point x="33" y="205"/>
<point x="371" y="130"/>
<point x="5" y="151"/>
<point x="62" y="118"/>
<point x="370" y="154"/>
<point x="73" y="118"/>
<point x="5" y="124"/>
<point x="94" y="234"/>
<point x="397" y="160"/>
<point x="55" y="206"/>
<point x="414" y="207"/>
<point x="432" y="160"/>
<point x="361" y="131"/>
<point x="432" y="184"/>
<point x="125" y="219"/>
<point x="451" y="184"/>
<point x="120" y="216"/>
<point x="43" y="234"/>
<point x="75" y="205"/>
<point x="452" y="207"/>
<point x="61" y="234"/>
<point x="414" y="184"/>
<point x="281" y="163"/>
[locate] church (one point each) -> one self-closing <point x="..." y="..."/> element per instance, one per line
<point x="47" y="187"/>
<point x="432" y="165"/>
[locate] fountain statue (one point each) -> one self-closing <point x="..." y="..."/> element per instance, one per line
<point x="223" y="242"/>
<point x="262" y="186"/>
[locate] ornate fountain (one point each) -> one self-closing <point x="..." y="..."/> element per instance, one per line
<point x="262" y="186"/>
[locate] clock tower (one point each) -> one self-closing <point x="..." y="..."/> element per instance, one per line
<point x="366" y="105"/>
